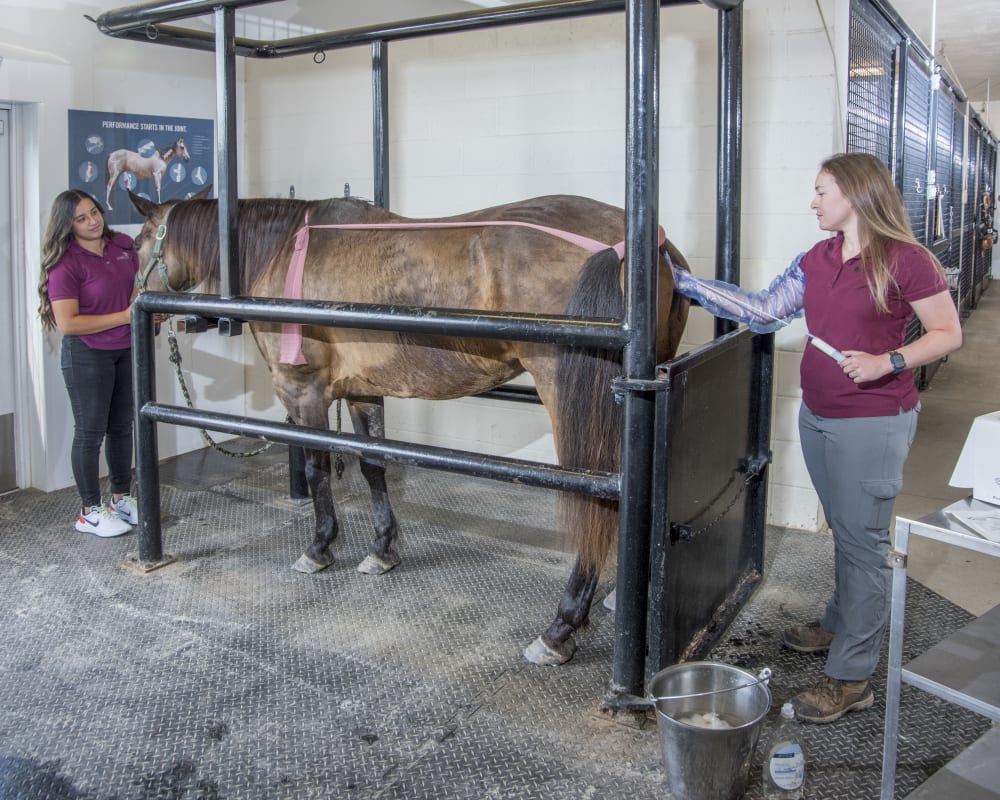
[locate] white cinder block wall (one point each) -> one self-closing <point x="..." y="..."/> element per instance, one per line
<point x="488" y="117"/>
<point x="476" y="119"/>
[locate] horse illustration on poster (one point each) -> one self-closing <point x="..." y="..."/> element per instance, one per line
<point x="140" y="166"/>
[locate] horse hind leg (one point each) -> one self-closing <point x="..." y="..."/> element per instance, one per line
<point x="557" y="645"/>
<point x="369" y="420"/>
<point x="318" y="556"/>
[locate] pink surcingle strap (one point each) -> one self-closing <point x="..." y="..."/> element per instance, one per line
<point x="291" y="332"/>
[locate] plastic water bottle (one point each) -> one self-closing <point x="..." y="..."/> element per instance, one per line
<point x="784" y="770"/>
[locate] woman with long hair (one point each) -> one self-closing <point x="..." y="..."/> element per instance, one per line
<point x="858" y="289"/>
<point x="85" y="290"/>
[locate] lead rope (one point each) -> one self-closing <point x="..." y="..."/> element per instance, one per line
<point x="175" y="359"/>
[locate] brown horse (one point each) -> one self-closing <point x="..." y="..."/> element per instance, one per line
<point x="511" y="268"/>
<point x="144" y="166"/>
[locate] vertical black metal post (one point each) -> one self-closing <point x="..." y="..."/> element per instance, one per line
<point x="380" y="120"/>
<point x="147" y="462"/>
<point x="730" y="153"/>
<point x="642" y="181"/>
<point x="225" y="76"/>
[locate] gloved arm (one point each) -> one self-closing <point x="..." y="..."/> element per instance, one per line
<point x="763" y="312"/>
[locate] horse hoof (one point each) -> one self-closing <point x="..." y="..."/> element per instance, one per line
<point x="373" y="565"/>
<point x="538" y="652"/>
<point x="609" y="601"/>
<point x="309" y="566"/>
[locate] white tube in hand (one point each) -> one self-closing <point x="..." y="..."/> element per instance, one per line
<point x="830" y="350"/>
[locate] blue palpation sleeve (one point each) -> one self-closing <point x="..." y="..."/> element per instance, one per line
<point x="763" y="312"/>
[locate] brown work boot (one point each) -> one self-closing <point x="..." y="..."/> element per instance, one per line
<point x="830" y="699"/>
<point x="808" y="638"/>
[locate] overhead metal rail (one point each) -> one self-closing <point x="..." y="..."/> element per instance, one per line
<point x="635" y="334"/>
<point x="144" y="23"/>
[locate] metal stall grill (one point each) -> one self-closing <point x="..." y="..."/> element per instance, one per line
<point x="953" y="264"/>
<point x="871" y="82"/>
<point x="941" y="213"/>
<point x="970" y="235"/>
<point x="944" y="207"/>
<point x="982" y="216"/>
<point x="915" y="109"/>
<point x="906" y="111"/>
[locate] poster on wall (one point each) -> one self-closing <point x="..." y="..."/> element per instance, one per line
<point x="159" y="158"/>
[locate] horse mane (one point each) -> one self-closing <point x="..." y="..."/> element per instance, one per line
<point x="266" y="227"/>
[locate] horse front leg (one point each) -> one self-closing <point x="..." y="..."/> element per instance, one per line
<point x="112" y="177"/>
<point x="556" y="645"/>
<point x="318" y="556"/>
<point x="368" y="418"/>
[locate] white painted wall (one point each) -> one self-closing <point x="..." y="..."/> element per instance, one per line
<point x="476" y="119"/>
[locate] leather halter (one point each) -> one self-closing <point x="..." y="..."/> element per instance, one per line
<point x="156" y="259"/>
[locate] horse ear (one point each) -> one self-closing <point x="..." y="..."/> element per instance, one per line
<point x="142" y="205"/>
<point x="203" y="194"/>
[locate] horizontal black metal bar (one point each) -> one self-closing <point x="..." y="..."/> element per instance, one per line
<point x="529" y="473"/>
<point x="520" y="394"/>
<point x="164" y="10"/>
<point x="504" y="325"/>
<point x="134" y="23"/>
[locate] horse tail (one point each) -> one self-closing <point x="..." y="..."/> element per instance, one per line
<point x="588" y="432"/>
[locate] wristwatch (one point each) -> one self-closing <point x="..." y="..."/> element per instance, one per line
<point x="897" y="361"/>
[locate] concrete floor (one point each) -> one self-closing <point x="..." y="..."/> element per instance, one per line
<point x="964" y="387"/>
<point x="228" y="675"/>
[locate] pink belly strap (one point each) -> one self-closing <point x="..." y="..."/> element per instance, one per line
<point x="291" y="332"/>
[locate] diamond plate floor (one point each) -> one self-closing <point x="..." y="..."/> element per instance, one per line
<point x="228" y="675"/>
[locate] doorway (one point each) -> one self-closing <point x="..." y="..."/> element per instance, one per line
<point x="8" y="454"/>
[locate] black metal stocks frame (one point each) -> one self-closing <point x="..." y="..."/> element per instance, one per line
<point x="635" y="334"/>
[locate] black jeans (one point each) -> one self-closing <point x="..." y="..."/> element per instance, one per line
<point x="99" y="383"/>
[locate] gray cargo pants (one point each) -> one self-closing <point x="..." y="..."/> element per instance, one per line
<point x="856" y="466"/>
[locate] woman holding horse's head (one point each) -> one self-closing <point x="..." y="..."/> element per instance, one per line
<point x="86" y="288"/>
<point x="859" y="290"/>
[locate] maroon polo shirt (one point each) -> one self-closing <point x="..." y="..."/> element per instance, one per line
<point x="839" y="309"/>
<point x="99" y="284"/>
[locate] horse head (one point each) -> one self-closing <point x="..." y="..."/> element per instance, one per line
<point x="181" y="151"/>
<point x="164" y="264"/>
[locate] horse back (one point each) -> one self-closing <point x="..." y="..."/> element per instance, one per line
<point x="490" y="268"/>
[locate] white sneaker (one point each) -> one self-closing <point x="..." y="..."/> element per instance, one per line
<point x="126" y="508"/>
<point x="101" y="522"/>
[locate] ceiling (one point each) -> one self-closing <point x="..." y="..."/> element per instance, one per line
<point x="966" y="40"/>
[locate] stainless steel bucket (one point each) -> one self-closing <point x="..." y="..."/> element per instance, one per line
<point x="708" y="716"/>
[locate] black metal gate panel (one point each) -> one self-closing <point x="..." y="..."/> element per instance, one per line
<point x="971" y="243"/>
<point x="709" y="492"/>
<point x="952" y="260"/>
<point x="915" y="146"/>
<point x="871" y="83"/>
<point x="982" y="213"/>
